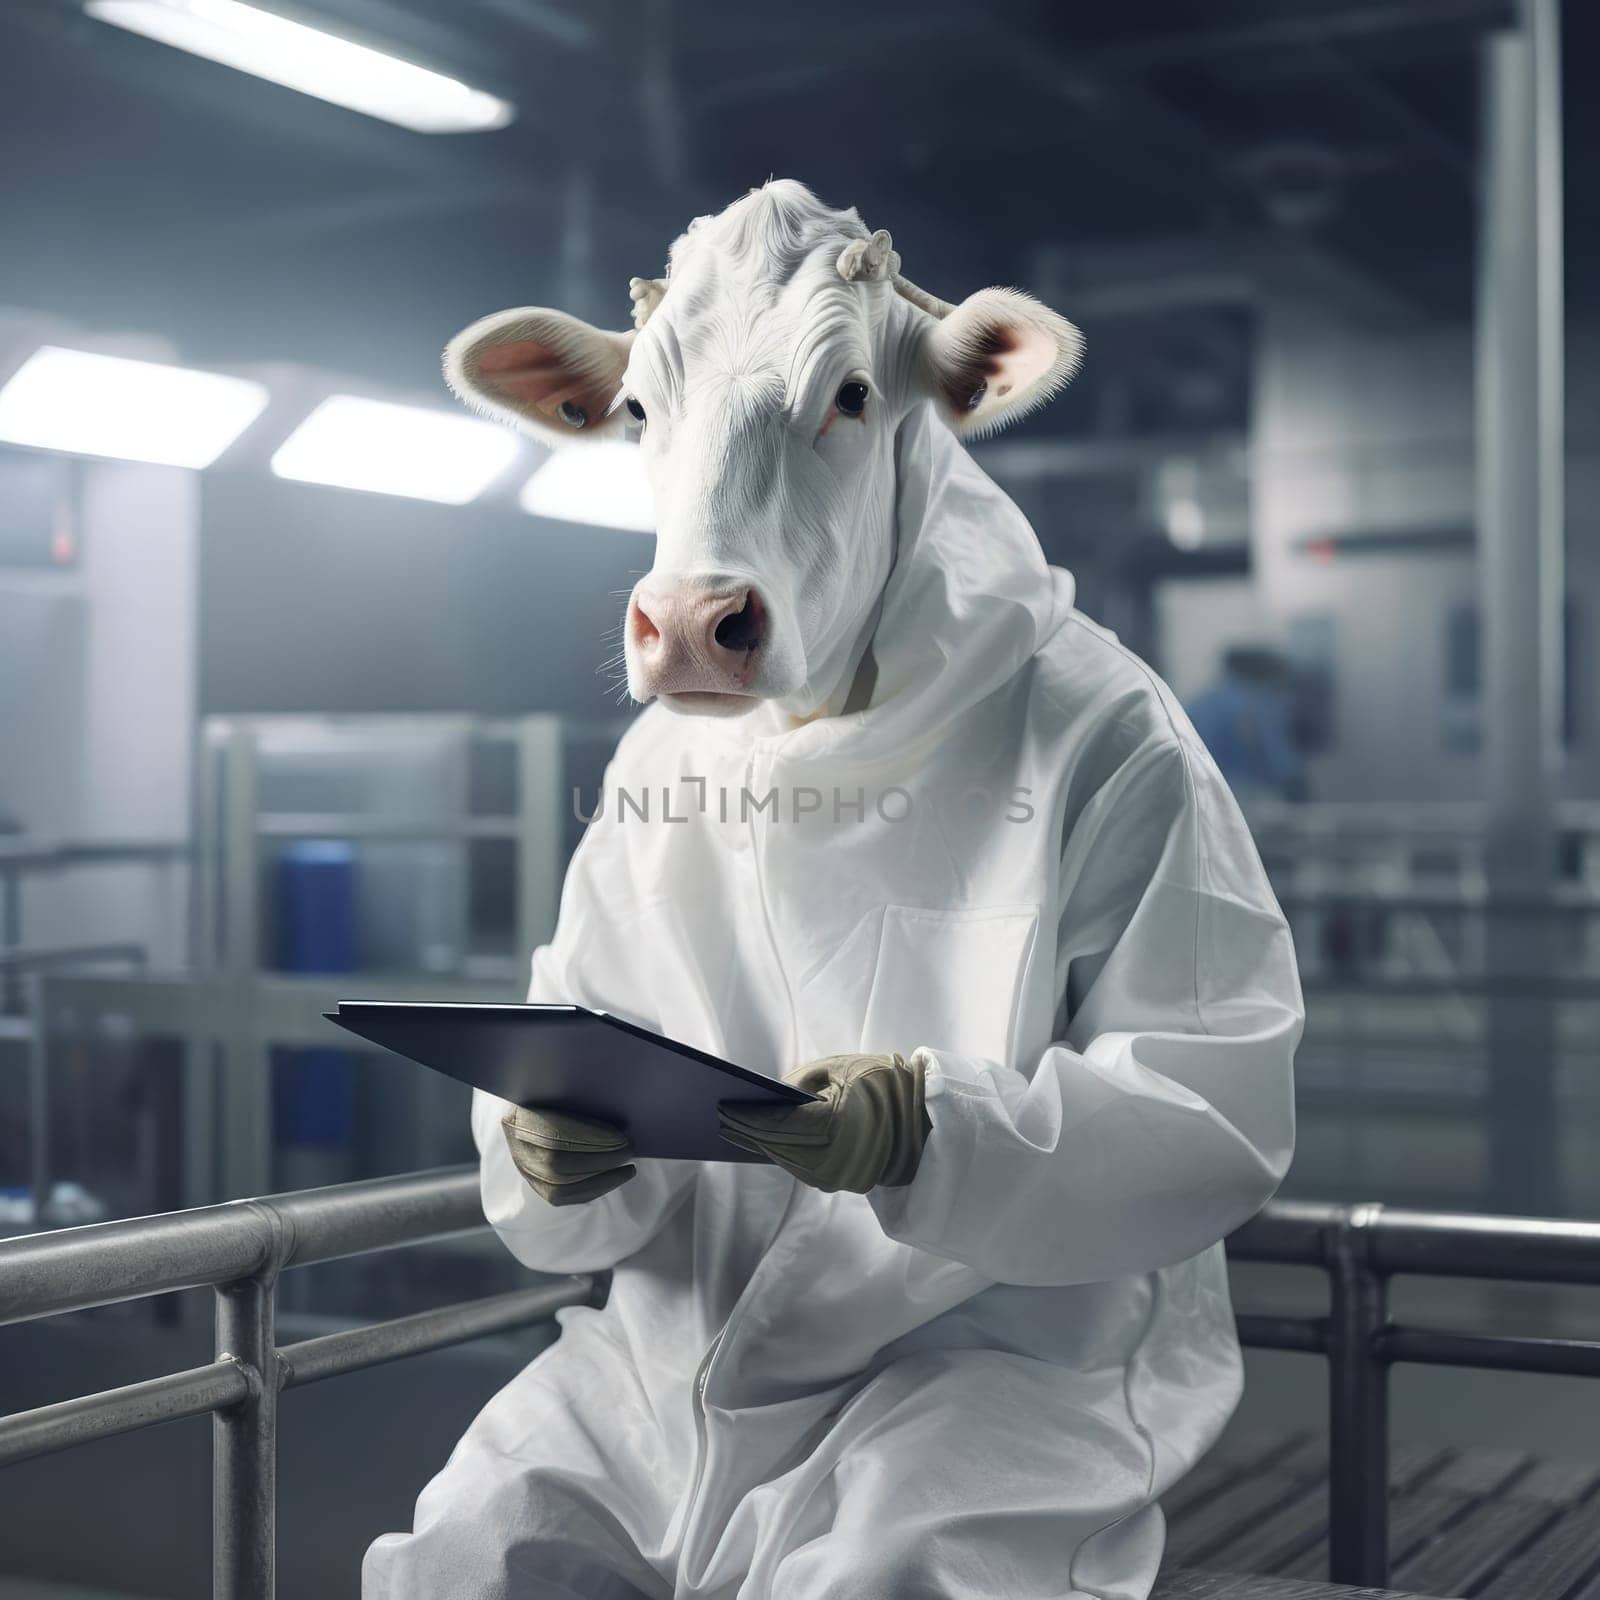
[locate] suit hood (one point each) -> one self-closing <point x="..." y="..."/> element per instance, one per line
<point x="968" y="602"/>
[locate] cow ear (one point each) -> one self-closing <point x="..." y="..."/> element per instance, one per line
<point x="996" y="356"/>
<point x="542" y="371"/>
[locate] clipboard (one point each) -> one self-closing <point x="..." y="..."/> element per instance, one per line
<point x="662" y="1094"/>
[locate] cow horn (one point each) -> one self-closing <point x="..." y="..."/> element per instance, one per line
<point x="920" y="298"/>
<point x="646" y="295"/>
<point x="869" y="260"/>
<point x="872" y="260"/>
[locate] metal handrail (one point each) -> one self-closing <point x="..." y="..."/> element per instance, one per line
<point x="1360" y="1248"/>
<point x="1463" y="986"/>
<point x="240" y="1248"/>
<point x="45" y="1274"/>
<point x="1575" y="902"/>
<point x="27" y="853"/>
<point x="42" y="959"/>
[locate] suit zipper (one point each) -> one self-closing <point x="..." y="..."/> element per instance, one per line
<point x="703" y="1372"/>
<point x="766" y="920"/>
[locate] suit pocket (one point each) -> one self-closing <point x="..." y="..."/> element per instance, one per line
<point x="950" y="980"/>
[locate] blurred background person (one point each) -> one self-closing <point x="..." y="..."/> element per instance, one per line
<point x="1246" y="721"/>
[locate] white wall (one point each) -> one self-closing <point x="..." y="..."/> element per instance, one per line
<point x="41" y="687"/>
<point x="140" y="529"/>
<point x="1368" y="431"/>
<point x="1197" y="619"/>
<point x="1362" y="429"/>
<point x="97" y="700"/>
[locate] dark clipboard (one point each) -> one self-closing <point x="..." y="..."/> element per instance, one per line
<point x="662" y="1094"/>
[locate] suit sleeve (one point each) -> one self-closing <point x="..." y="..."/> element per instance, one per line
<point x="584" y="964"/>
<point x="1162" y="1117"/>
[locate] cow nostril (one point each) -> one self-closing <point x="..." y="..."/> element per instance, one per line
<point x="745" y="628"/>
<point x="645" y="632"/>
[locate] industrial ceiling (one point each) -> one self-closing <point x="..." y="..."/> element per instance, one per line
<point x="1149" y="154"/>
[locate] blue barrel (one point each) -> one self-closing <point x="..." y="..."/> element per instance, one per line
<point x="313" y="1090"/>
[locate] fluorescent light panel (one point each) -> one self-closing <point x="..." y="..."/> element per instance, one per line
<point x="311" y="61"/>
<point x="353" y="443"/>
<point x="601" y="482"/>
<point x="1186" y="522"/>
<point x="98" y="405"/>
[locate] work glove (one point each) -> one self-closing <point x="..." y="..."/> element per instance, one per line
<point x="567" y="1159"/>
<point x="867" y="1126"/>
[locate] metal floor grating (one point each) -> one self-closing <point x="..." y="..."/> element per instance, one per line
<point x="1474" y="1524"/>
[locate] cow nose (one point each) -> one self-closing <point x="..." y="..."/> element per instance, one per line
<point x="689" y="639"/>
<point x="646" y="635"/>
<point x="740" y="627"/>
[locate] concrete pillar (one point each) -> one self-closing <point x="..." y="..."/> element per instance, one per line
<point x="1520" y="555"/>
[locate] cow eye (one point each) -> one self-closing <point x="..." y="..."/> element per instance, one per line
<point x="851" y="398"/>
<point x="573" y="414"/>
<point x="635" y="410"/>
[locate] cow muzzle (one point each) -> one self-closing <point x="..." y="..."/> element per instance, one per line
<point x="698" y="647"/>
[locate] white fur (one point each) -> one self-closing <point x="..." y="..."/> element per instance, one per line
<point x="759" y="480"/>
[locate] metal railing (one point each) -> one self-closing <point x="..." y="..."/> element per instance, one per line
<point x="22" y="1017"/>
<point x="240" y="1248"/>
<point x="22" y="856"/>
<point x="1361" y="1248"/>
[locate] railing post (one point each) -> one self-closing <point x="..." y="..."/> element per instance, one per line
<point x="10" y="934"/>
<point x="1358" y="1392"/>
<point x="31" y="992"/>
<point x="244" y="1465"/>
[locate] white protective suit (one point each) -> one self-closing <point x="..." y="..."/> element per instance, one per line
<point x="976" y="1385"/>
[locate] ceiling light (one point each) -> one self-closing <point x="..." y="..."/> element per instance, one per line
<point x="602" y="483"/>
<point x="314" y="62"/>
<point x="1186" y="523"/>
<point x="354" y="443"/>
<point x="96" y="405"/>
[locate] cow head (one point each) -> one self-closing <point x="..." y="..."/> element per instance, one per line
<point x="767" y="377"/>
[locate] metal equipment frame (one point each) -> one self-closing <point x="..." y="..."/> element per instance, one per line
<point x="240" y="1249"/>
<point x="226" y="1009"/>
<point x="228" y="998"/>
